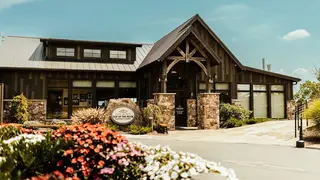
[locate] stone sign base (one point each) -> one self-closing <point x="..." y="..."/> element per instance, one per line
<point x="208" y="111"/>
<point x="166" y="101"/>
<point x="290" y="109"/>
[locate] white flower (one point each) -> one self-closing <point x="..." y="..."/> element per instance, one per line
<point x="2" y="159"/>
<point x="184" y="175"/>
<point x="174" y="175"/>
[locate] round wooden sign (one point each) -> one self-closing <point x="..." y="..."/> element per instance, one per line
<point x="122" y="115"/>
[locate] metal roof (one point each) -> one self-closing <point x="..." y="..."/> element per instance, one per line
<point x="27" y="53"/>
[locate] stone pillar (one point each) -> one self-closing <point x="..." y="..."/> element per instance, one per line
<point x="290" y="109"/>
<point x="166" y="101"/>
<point x="208" y="111"/>
<point x="192" y="114"/>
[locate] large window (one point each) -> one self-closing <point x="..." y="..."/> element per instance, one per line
<point x="244" y="95"/>
<point x="92" y="53"/>
<point x="67" y="52"/>
<point x="117" y="54"/>
<point x="260" y="104"/>
<point x="277" y="101"/>
<point x="128" y="89"/>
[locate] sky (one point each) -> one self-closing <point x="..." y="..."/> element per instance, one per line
<point x="286" y="33"/>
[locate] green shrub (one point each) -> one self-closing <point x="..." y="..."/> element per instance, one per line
<point x="8" y="131"/>
<point x="28" y="155"/>
<point x="228" y="111"/>
<point x="19" y="109"/>
<point x="134" y="129"/>
<point x="89" y="115"/>
<point x="154" y="112"/>
<point x="232" y="122"/>
<point x="255" y="120"/>
<point x="313" y="112"/>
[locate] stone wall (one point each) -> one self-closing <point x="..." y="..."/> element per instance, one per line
<point x="192" y="113"/>
<point x="37" y="109"/>
<point x="208" y="111"/>
<point x="166" y="101"/>
<point x="290" y="109"/>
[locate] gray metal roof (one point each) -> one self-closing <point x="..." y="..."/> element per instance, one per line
<point x="27" y="53"/>
<point x="163" y="45"/>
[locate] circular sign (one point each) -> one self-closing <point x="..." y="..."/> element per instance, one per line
<point x="122" y="115"/>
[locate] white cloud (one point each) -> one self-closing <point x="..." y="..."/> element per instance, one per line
<point x="300" y="70"/>
<point x="297" y="34"/>
<point x="9" y="3"/>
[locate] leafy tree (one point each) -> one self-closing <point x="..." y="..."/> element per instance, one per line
<point x="19" y="109"/>
<point x="308" y="91"/>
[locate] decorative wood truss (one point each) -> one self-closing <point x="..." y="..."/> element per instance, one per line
<point x="187" y="55"/>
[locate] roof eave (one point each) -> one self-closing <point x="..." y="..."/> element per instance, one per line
<point x="294" y="79"/>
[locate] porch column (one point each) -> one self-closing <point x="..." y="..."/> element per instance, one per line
<point x="208" y="77"/>
<point x="166" y="101"/>
<point x="164" y="77"/>
<point x="208" y="111"/>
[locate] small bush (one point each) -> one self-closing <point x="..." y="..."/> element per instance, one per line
<point x="313" y="112"/>
<point x="89" y="115"/>
<point x="8" y="131"/>
<point x="154" y="112"/>
<point x="255" y="120"/>
<point x="228" y="111"/>
<point x="232" y="122"/>
<point x="19" y="109"/>
<point x="134" y="129"/>
<point x="28" y="155"/>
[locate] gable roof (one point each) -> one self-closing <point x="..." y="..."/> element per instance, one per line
<point x="162" y="46"/>
<point x="27" y="53"/>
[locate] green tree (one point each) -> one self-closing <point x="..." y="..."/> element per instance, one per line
<point x="308" y="91"/>
<point x="19" y="109"/>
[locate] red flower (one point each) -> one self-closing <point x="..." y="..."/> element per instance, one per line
<point x="101" y="163"/>
<point x="60" y="163"/>
<point x="59" y="174"/>
<point x="97" y="150"/>
<point x="80" y="159"/>
<point x="67" y="152"/>
<point x="74" y="161"/>
<point x="70" y="170"/>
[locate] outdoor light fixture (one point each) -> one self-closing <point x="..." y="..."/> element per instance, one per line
<point x="173" y="72"/>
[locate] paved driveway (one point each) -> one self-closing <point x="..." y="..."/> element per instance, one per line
<point x="272" y="133"/>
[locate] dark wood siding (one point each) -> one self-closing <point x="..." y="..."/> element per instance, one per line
<point x="28" y="82"/>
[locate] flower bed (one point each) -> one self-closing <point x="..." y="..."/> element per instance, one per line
<point x="93" y="152"/>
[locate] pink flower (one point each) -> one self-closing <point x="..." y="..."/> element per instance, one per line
<point x="107" y="171"/>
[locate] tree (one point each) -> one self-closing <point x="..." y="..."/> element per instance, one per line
<point x="308" y="91"/>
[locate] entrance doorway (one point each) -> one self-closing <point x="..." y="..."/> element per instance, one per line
<point x="54" y="104"/>
<point x="181" y="80"/>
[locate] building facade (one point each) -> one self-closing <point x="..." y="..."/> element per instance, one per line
<point x="188" y="61"/>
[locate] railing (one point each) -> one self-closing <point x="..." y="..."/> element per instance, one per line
<point x="298" y="118"/>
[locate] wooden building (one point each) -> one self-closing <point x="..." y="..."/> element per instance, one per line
<point x="191" y="59"/>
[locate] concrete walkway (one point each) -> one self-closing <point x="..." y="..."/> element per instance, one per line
<point x="271" y="133"/>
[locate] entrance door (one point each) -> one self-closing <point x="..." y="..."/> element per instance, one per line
<point x="54" y="104"/>
<point x="181" y="109"/>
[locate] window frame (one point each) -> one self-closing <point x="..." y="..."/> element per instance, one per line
<point x="65" y="48"/>
<point x="118" y="50"/>
<point x="92" y="53"/>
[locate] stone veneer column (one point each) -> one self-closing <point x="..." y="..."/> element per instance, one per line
<point x="166" y="101"/>
<point x="192" y="114"/>
<point x="290" y="109"/>
<point x="208" y="111"/>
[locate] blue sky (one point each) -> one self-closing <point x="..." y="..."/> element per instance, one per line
<point x="286" y="32"/>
